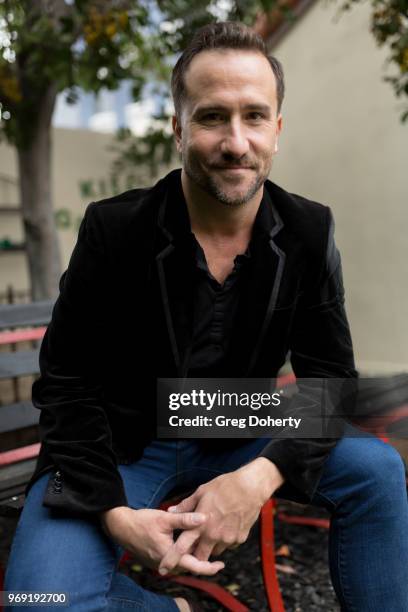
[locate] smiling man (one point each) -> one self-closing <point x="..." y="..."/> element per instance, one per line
<point x="220" y="273"/>
<point x="227" y="128"/>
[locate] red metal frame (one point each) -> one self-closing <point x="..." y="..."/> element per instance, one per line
<point x="286" y="380"/>
<point x="213" y="589"/>
<point x="303" y="520"/>
<point x="267" y="545"/>
<point x="377" y="425"/>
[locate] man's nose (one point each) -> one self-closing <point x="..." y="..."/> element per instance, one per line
<point x="235" y="142"/>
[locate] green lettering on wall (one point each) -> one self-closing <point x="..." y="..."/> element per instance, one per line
<point x="94" y="189"/>
<point x="63" y="218"/>
<point x="86" y="189"/>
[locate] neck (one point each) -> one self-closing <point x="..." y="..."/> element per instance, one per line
<point x="211" y="217"/>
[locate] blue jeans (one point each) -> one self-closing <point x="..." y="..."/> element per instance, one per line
<point x="363" y="487"/>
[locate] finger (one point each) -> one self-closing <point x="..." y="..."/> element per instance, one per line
<point x="182" y="545"/>
<point x="186" y="505"/>
<point x="219" y="549"/>
<point x="186" y="520"/>
<point x="207" y="568"/>
<point x="203" y="550"/>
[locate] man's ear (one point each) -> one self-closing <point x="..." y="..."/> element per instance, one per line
<point x="177" y="132"/>
<point x="278" y="131"/>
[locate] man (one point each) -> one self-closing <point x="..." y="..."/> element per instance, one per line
<point x="214" y="272"/>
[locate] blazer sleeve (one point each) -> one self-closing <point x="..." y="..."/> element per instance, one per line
<point x="74" y="428"/>
<point x="321" y="348"/>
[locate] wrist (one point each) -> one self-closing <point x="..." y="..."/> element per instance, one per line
<point x="107" y="516"/>
<point x="266" y="474"/>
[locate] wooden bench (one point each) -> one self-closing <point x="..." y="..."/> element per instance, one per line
<point x="20" y="323"/>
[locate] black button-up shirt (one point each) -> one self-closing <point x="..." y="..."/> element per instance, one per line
<point x="214" y="312"/>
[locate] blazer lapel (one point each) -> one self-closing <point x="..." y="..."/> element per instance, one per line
<point x="175" y="263"/>
<point x="261" y="290"/>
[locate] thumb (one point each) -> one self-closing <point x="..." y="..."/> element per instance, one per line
<point x="186" y="505"/>
<point x="186" y="520"/>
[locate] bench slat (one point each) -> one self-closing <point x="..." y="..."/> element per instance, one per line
<point x="18" y="415"/>
<point x="12" y="507"/>
<point x="19" y="454"/>
<point x="20" y="363"/>
<point x="22" y="335"/>
<point x="16" y="473"/>
<point x="13" y="482"/>
<point x="18" y="421"/>
<point x="14" y="479"/>
<point x="21" y="315"/>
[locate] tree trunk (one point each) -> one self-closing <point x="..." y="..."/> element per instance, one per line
<point x="34" y="162"/>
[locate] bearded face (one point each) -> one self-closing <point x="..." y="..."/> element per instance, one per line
<point x="228" y="131"/>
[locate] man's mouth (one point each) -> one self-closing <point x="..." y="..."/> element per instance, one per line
<point x="233" y="168"/>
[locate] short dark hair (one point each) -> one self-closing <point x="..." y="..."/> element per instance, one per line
<point x="222" y="35"/>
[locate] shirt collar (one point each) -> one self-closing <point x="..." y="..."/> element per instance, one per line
<point x="177" y="220"/>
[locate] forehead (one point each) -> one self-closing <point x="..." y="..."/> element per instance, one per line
<point x="225" y="75"/>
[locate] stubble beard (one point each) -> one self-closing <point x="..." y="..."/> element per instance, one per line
<point x="208" y="184"/>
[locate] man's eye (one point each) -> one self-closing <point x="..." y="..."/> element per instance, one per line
<point x="212" y="117"/>
<point x="255" y="116"/>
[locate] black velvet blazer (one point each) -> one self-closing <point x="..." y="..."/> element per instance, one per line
<point x="124" y="318"/>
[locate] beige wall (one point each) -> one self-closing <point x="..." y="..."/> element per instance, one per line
<point x="81" y="173"/>
<point x="77" y="156"/>
<point x="343" y="145"/>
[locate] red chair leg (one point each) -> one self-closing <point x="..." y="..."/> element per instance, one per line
<point x="212" y="589"/>
<point x="267" y="546"/>
<point x="215" y="591"/>
<point x="303" y="520"/>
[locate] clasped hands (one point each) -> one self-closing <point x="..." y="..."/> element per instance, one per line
<point x="217" y="516"/>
